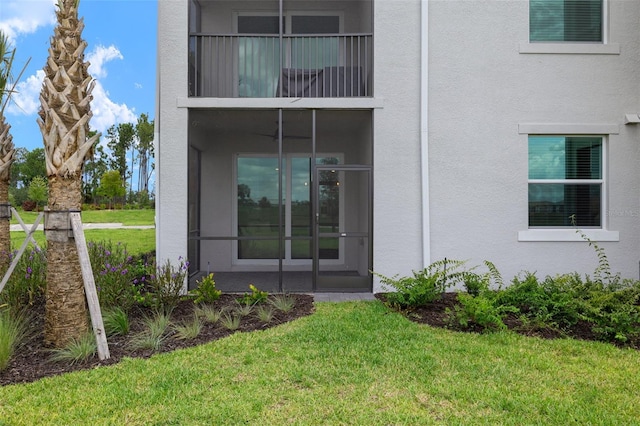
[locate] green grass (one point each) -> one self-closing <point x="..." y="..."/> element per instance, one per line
<point x="137" y="241"/>
<point x="349" y="363"/>
<point x="126" y="217"/>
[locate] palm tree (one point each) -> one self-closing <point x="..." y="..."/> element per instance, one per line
<point x="64" y="122"/>
<point x="7" y="149"/>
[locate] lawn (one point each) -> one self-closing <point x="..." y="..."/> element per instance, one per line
<point x="126" y="217"/>
<point x="348" y="363"/>
<point x="137" y="241"/>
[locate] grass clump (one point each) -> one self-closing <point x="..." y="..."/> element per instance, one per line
<point x="154" y="334"/>
<point x="13" y="332"/>
<point x="230" y="320"/>
<point x="264" y="313"/>
<point x="76" y="351"/>
<point x="283" y="302"/>
<point x="243" y="310"/>
<point x="188" y="330"/>
<point x="210" y="313"/>
<point x="116" y="322"/>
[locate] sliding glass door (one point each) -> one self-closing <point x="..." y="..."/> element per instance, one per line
<point x="258" y="209"/>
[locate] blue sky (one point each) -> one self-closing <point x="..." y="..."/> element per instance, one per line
<point x="121" y="37"/>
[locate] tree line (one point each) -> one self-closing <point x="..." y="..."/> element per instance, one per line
<point x="107" y="176"/>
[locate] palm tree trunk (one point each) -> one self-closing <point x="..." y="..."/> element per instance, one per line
<point x="5" y="227"/>
<point x="67" y="314"/>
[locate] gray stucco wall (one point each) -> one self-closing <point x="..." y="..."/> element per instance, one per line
<point x="481" y="88"/>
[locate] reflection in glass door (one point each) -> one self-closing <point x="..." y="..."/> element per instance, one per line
<point x="343" y="228"/>
<point x="257" y="210"/>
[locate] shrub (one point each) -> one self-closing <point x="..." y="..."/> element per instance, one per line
<point x="554" y="301"/>
<point x="424" y="286"/>
<point x="116" y="275"/>
<point x="166" y="286"/>
<point x="479" y="310"/>
<point x="614" y="311"/>
<point x="256" y="296"/>
<point x="27" y="282"/>
<point x="206" y="291"/>
<point x="476" y="284"/>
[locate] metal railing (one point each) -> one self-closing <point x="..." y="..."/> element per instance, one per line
<point x="264" y="66"/>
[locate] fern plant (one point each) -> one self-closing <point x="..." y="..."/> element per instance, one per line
<point x="423" y="286"/>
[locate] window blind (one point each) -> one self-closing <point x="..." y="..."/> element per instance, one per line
<point x="565" y="20"/>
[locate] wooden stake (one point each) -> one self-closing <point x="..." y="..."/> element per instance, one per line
<point x="21" y="251"/>
<point x="89" y="286"/>
<point x="24" y="227"/>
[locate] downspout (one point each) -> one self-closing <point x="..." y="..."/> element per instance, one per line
<point x="424" y="130"/>
<point x="156" y="141"/>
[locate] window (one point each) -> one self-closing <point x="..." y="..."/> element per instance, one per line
<point x="566" y="21"/>
<point x="257" y="178"/>
<point x="565" y="181"/>
<point x="304" y="47"/>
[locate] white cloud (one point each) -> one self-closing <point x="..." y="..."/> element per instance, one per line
<point x="99" y="57"/>
<point x="137" y="85"/>
<point x="25" y="100"/>
<point x="106" y="112"/>
<point x="26" y="16"/>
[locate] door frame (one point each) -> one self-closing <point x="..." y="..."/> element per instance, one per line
<point x="342" y="233"/>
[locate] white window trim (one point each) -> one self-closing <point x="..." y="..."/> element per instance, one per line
<point x="573" y="48"/>
<point x="573" y="129"/>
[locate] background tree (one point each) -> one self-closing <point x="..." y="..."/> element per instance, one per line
<point x="144" y="132"/>
<point x="28" y="165"/>
<point x="120" y="139"/>
<point x="111" y="186"/>
<point x="93" y="171"/>
<point x="38" y="191"/>
<point x="64" y="123"/>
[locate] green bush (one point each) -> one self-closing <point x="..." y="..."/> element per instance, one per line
<point x="116" y="275"/>
<point x="479" y="310"/>
<point x="206" y="291"/>
<point x="27" y="282"/>
<point x="167" y="284"/>
<point x="256" y="296"/>
<point x="614" y="311"/>
<point x="424" y="286"/>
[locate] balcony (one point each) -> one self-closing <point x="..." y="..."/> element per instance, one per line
<point x="280" y="65"/>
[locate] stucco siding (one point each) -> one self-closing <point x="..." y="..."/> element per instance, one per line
<point x="397" y="201"/>
<point x="481" y="88"/>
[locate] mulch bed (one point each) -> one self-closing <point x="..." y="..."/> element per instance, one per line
<point x="435" y="314"/>
<point x="32" y="360"/>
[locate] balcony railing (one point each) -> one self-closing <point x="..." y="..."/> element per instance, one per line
<point x="265" y="66"/>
